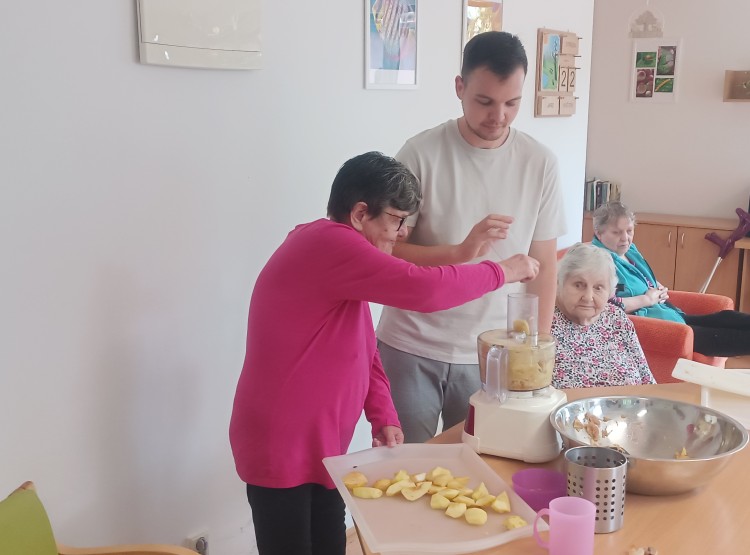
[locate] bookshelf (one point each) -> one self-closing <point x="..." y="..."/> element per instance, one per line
<point x="598" y="192"/>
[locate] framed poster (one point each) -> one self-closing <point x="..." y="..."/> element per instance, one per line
<point x="654" y="70"/>
<point x="390" y="44"/>
<point x="480" y="16"/>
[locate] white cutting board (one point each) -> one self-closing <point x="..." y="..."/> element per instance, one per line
<point x="727" y="391"/>
<point x="395" y="526"/>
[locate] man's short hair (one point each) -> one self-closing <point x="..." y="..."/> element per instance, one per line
<point x="498" y="51"/>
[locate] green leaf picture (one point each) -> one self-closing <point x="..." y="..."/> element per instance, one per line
<point x="645" y="59"/>
<point x="667" y="58"/>
<point x="664" y="85"/>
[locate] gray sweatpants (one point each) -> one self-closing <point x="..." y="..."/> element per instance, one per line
<point x="422" y="389"/>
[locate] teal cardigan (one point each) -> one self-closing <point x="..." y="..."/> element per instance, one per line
<point x="632" y="276"/>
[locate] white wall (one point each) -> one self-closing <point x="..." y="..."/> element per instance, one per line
<point x="137" y="205"/>
<point x="690" y="157"/>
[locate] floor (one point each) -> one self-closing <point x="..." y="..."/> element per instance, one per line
<point x="352" y="543"/>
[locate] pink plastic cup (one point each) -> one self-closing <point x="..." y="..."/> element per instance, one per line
<point x="539" y="486"/>
<point x="571" y="526"/>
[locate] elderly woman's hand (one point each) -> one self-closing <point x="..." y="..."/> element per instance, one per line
<point x="389" y="435"/>
<point x="519" y="267"/>
<point x="663" y="293"/>
<point x="653" y="296"/>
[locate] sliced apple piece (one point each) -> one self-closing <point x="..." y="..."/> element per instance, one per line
<point x="468" y="501"/>
<point x="480" y="491"/>
<point x="437" y="501"/>
<point x="475" y="516"/>
<point x="354" y="479"/>
<point x="412" y="494"/>
<point x="455" y="510"/>
<point x="515" y="521"/>
<point x="382" y="484"/>
<point x="396" y="487"/>
<point x="367" y="493"/>
<point x="501" y="504"/>
<point x="485" y="501"/>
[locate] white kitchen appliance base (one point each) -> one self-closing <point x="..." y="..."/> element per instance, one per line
<point x="518" y="429"/>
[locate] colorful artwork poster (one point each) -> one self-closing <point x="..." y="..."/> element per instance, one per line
<point x="391" y="44"/>
<point x="645" y="59"/>
<point x="481" y="16"/>
<point x="644" y="83"/>
<point x="666" y="60"/>
<point x="663" y="85"/>
<point x="550" y="68"/>
<point x="655" y="70"/>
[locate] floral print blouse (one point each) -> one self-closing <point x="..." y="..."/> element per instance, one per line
<point x="604" y="353"/>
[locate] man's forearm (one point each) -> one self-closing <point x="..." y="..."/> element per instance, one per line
<point x="438" y="255"/>
<point x="544" y="286"/>
<point x="545" y="283"/>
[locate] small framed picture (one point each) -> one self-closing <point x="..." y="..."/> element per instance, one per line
<point x="480" y="16"/>
<point x="654" y="70"/>
<point x="391" y="44"/>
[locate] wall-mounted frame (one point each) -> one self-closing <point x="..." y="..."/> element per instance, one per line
<point x="391" y="44"/>
<point x="480" y="16"/>
<point x="654" y="70"/>
<point x="556" y="73"/>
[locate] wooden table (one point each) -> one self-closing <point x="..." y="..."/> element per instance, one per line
<point x="712" y="519"/>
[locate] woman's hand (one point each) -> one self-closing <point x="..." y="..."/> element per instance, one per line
<point x="519" y="267"/>
<point x="663" y="293"/>
<point x="652" y="296"/>
<point x="389" y="435"/>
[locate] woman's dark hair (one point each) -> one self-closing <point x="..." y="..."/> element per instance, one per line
<point x="498" y="51"/>
<point x="377" y="180"/>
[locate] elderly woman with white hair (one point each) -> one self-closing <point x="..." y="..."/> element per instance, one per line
<point x="596" y="342"/>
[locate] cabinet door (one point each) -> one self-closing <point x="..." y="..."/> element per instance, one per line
<point x="696" y="256"/>
<point x="587" y="232"/>
<point x="657" y="244"/>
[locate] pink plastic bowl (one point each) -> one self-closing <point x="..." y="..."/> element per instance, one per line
<point x="539" y="486"/>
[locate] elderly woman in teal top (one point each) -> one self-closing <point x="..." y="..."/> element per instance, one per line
<point x="725" y="333"/>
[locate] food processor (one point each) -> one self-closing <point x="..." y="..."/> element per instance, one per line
<point x="509" y="415"/>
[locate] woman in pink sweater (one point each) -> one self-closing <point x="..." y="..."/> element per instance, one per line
<point x="311" y="362"/>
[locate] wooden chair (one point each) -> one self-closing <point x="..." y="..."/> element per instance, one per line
<point x="25" y="530"/>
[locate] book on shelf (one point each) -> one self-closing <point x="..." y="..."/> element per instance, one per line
<point x="598" y="192"/>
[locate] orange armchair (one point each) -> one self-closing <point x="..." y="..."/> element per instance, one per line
<point x="663" y="342"/>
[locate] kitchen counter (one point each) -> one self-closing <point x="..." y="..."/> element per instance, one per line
<point x="712" y="519"/>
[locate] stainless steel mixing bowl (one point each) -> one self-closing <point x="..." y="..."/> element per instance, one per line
<point x="672" y="447"/>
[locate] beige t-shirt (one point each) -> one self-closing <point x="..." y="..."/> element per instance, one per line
<point x="461" y="185"/>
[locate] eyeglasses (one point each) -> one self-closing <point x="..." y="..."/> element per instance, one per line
<point x="400" y="218"/>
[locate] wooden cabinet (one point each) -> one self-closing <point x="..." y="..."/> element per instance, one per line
<point x="678" y="252"/>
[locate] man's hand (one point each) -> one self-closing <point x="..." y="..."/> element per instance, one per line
<point x="479" y="240"/>
<point x="389" y="435"/>
<point x="519" y="267"/>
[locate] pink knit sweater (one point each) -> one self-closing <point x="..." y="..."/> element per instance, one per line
<point x="311" y="363"/>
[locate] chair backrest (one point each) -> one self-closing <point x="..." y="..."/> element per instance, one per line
<point x="24" y="526"/>
<point x="663" y="343"/>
